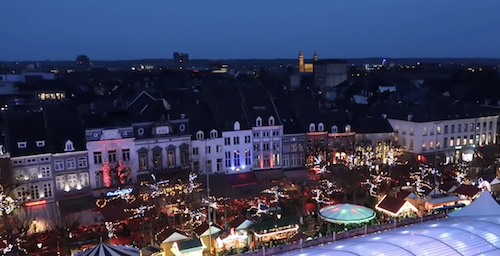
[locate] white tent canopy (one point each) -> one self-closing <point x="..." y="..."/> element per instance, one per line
<point x="495" y="181"/>
<point x="107" y="250"/>
<point x="483" y="205"/>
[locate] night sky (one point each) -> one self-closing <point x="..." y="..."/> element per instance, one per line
<point x="125" y="29"/>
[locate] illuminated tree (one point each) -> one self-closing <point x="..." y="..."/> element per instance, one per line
<point x="106" y="174"/>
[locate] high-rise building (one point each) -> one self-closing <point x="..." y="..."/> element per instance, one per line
<point x="180" y="60"/>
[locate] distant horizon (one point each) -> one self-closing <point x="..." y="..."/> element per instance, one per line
<point x="270" y="59"/>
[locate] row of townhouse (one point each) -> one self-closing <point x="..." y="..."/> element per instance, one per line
<point x="53" y="157"/>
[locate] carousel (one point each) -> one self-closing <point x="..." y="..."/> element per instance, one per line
<point x="346" y="214"/>
<point x="107" y="250"/>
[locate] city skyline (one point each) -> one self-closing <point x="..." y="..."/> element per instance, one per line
<point x="224" y="30"/>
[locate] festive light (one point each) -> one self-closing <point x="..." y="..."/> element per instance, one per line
<point x="7" y="204"/>
<point x="129" y="198"/>
<point x="274" y="191"/>
<point x="120" y="192"/>
<point x="35" y="203"/>
<point x="140" y="211"/>
<point x="111" y="229"/>
<point x="292" y="229"/>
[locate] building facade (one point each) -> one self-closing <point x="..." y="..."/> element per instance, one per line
<point x="71" y="171"/>
<point x="267" y="143"/>
<point x="237" y="150"/>
<point x="208" y="152"/>
<point x="162" y="146"/>
<point x="455" y="138"/>
<point x="113" y="161"/>
<point x="293" y="153"/>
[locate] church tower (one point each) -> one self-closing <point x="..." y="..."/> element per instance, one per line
<point x="315" y="57"/>
<point x="301" y="62"/>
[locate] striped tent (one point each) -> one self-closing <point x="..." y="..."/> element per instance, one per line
<point x="107" y="250"/>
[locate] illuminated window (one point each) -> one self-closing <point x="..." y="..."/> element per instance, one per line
<point x="452" y="141"/>
<point x="347" y="128"/>
<point x="471" y="140"/>
<point x="425" y="131"/>
<point x="431" y="144"/>
<point x="411" y="130"/>
<point x="143" y="161"/>
<point x="464" y="141"/>
<point x="438" y="129"/>
<point x="458" y="141"/>
<point x="423" y="145"/>
<point x="438" y="144"/>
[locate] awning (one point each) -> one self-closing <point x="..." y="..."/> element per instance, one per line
<point x="270" y="175"/>
<point x="241" y="179"/>
<point x="76" y="205"/>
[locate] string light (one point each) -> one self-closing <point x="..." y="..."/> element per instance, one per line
<point x="275" y="192"/>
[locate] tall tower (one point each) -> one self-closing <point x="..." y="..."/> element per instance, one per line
<point x="301" y="62"/>
<point x="315" y="57"/>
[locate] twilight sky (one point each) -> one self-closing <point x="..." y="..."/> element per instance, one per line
<point x="126" y="29"/>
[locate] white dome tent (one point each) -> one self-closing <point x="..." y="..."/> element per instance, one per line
<point x="107" y="250"/>
<point x="483" y="205"/>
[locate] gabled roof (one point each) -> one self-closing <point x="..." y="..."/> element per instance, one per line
<point x="240" y="222"/>
<point x="391" y="204"/>
<point x="203" y="230"/>
<point x="228" y="107"/>
<point x="171" y="235"/>
<point x="467" y="190"/>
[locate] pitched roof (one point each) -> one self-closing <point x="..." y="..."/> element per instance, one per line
<point x="237" y="222"/>
<point x="391" y="204"/>
<point x="228" y="107"/>
<point x="167" y="233"/>
<point x="403" y="194"/>
<point x="467" y="190"/>
<point x="64" y="125"/>
<point x="26" y="127"/>
<point x="204" y="227"/>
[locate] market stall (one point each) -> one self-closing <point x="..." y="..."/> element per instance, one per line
<point x="105" y="250"/>
<point x="275" y="230"/>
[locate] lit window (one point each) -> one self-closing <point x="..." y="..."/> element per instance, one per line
<point x="347" y="128"/>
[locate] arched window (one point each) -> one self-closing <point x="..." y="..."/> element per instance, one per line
<point x="236" y="126"/>
<point x="213" y="134"/>
<point x="347" y="128"/>
<point x="200" y="135"/>
<point x="335" y="129"/>
<point x="258" y="121"/>
<point x="312" y="127"/>
<point x="271" y="120"/>
<point x="321" y="127"/>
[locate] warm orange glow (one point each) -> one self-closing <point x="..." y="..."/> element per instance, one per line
<point x="35" y="203"/>
<point x="294" y="228"/>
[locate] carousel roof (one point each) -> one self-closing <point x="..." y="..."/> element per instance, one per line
<point x="346" y="213"/>
<point x="107" y="250"/>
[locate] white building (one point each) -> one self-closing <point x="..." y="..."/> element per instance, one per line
<point x="162" y="146"/>
<point x="111" y="148"/>
<point x="237" y="149"/>
<point x="208" y="152"/>
<point x="456" y="136"/>
<point x="267" y="143"/>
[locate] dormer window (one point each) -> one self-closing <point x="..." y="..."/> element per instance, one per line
<point x="237" y="126"/>
<point x="22" y="144"/>
<point x="335" y="129"/>
<point x="271" y="120"/>
<point x="68" y="146"/>
<point x="312" y="127"/>
<point x="258" y="121"/>
<point x="200" y="135"/>
<point x="40" y="143"/>
<point x="321" y="127"/>
<point x="213" y="134"/>
<point x="347" y="128"/>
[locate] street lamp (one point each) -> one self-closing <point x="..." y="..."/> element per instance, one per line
<point x="209" y="203"/>
<point x="436" y="153"/>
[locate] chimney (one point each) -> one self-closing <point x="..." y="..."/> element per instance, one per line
<point x="410" y="117"/>
<point x="384" y="116"/>
<point x="183" y="116"/>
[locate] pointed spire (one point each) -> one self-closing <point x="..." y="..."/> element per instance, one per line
<point x="301" y="54"/>
<point x="315" y="54"/>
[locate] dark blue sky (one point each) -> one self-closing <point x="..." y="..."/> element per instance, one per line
<point x="125" y="29"/>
